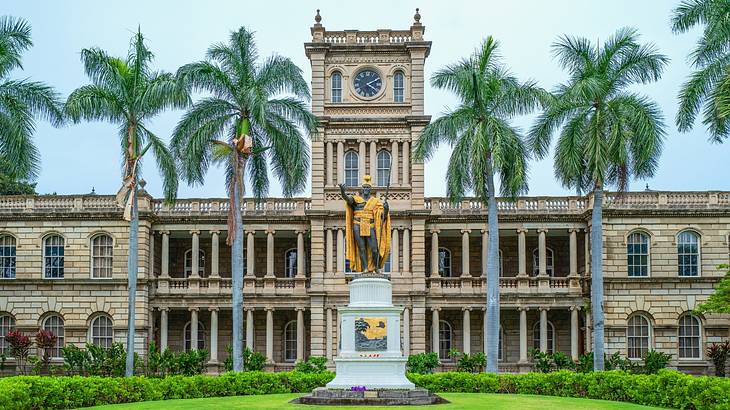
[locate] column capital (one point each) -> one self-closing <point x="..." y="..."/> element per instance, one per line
<point x="435" y="230"/>
<point x="575" y="307"/>
<point x="164" y="309"/>
<point x="270" y="231"/>
<point x="466" y="309"/>
<point x="250" y="232"/>
<point x="249" y="309"/>
<point x="213" y="309"/>
<point x="164" y="232"/>
<point x="542" y="230"/>
<point x="299" y="309"/>
<point x="215" y="231"/>
<point x="195" y="232"/>
<point x="573" y="230"/>
<point x="467" y="231"/>
<point x="523" y="308"/>
<point x="269" y="308"/>
<point x="522" y="230"/>
<point x="300" y="231"/>
<point x="193" y="309"/>
<point x="435" y="308"/>
<point x="484" y="231"/>
<point x="543" y="308"/>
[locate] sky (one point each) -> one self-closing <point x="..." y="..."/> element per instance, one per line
<point x="81" y="157"/>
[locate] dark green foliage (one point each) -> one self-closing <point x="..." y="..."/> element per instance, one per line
<point x="549" y="362"/>
<point x="252" y="361"/>
<point x="422" y="363"/>
<point x="667" y="388"/>
<point x="719" y="301"/>
<point x="11" y="183"/>
<point x="718" y="353"/>
<point x="470" y="363"/>
<point x="32" y="392"/>
<point x="167" y="363"/>
<point x="655" y="361"/>
<point x="313" y="364"/>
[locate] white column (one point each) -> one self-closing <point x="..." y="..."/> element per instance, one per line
<point x="214" y="250"/>
<point x="270" y="334"/>
<point x="195" y="255"/>
<point x="270" y="253"/>
<point x="394" y="245"/>
<point x="249" y="328"/>
<point x="300" y="334"/>
<point x="406" y="331"/>
<point x="340" y="162"/>
<point x="406" y="250"/>
<point x="362" y="155"/>
<point x="193" y="328"/>
<point x="542" y="253"/>
<point x="465" y="253"/>
<point x="163" y="329"/>
<point x="328" y="164"/>
<point x="328" y="334"/>
<point x="435" y="254"/>
<point x="374" y="161"/>
<point x="406" y="163"/>
<point x="521" y="252"/>
<point x="394" y="163"/>
<point x="340" y="250"/>
<point x="573" y="252"/>
<point x="250" y="254"/>
<point x="435" y="330"/>
<point x="300" y="254"/>
<point x="328" y="250"/>
<point x="165" y="254"/>
<point x="151" y="256"/>
<point x="574" y="332"/>
<point x="467" y="331"/>
<point x="543" y="330"/>
<point x="523" y="334"/>
<point x="213" y="335"/>
<point x="485" y="251"/>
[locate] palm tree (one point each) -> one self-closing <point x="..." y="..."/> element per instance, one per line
<point x="243" y="125"/>
<point x="484" y="144"/>
<point x="709" y="85"/>
<point x="609" y="134"/>
<point x="21" y="101"/>
<point x="128" y="93"/>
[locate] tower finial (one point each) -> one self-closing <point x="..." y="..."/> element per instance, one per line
<point x="417" y="16"/>
<point x="317" y="18"/>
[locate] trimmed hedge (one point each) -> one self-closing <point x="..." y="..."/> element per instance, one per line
<point x="665" y="389"/>
<point x="38" y="392"/>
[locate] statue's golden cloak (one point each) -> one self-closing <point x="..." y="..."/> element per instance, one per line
<point x="375" y="208"/>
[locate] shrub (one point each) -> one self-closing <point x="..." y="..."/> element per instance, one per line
<point x="19" y="348"/>
<point x="718" y="353"/>
<point x="541" y="361"/>
<point x="466" y="362"/>
<point x="313" y="364"/>
<point x="422" y="363"/>
<point x="655" y="361"/>
<point x="252" y="361"/>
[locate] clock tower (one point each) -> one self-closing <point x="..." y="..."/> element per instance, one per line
<point x="367" y="92"/>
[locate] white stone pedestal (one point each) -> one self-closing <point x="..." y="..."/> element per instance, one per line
<point x="370" y="357"/>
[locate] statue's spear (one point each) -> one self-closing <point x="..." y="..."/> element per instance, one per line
<point x="387" y="189"/>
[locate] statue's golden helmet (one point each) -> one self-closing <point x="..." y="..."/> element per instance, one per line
<point x="367" y="181"/>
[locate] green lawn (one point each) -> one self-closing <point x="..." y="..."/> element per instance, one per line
<point x="458" y="401"/>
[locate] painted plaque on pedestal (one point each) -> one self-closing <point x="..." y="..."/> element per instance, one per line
<point x="371" y="334"/>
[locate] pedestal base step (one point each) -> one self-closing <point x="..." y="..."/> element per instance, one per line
<point x="323" y="396"/>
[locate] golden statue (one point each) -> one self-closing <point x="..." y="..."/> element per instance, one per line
<point x="367" y="223"/>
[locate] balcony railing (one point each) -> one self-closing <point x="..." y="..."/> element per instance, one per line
<point x="507" y="285"/>
<point x="274" y="206"/>
<point x="222" y="286"/>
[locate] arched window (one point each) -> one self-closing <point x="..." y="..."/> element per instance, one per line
<point x="7" y="323"/>
<point x="548" y="262"/>
<point x="550" y="336"/>
<point x="398" y="87"/>
<point x="383" y="168"/>
<point x="7" y="257"/>
<point x="352" y="176"/>
<point x="336" y="87"/>
<point x="102" y="332"/>
<point x="445" y="262"/>
<point x="637" y="254"/>
<point x="688" y="253"/>
<point x="54" y="324"/>
<point x="189" y="263"/>
<point x="446" y="336"/>
<point x="53" y="250"/>
<point x="290" y="263"/>
<point x="638" y="337"/>
<point x="102" y="247"/>
<point x="690" y="337"/>
<point x="201" y="336"/>
<point x="290" y="341"/>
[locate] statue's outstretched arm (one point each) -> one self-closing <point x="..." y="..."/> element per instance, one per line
<point x="346" y="197"/>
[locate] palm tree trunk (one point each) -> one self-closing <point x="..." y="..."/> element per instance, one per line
<point x="237" y="274"/>
<point x="492" y="266"/>
<point x="597" y="277"/>
<point x="132" y="281"/>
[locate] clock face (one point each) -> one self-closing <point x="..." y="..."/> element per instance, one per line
<point x="367" y="83"/>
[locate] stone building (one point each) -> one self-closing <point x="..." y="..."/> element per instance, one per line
<point x="63" y="258"/>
